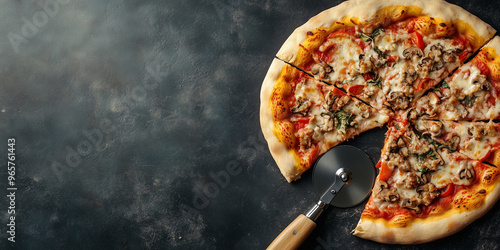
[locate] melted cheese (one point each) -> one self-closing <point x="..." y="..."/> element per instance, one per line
<point x="346" y="52"/>
<point x="449" y="172"/>
<point x="462" y="82"/>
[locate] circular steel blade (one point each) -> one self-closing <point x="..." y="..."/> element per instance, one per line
<point x="352" y="158"/>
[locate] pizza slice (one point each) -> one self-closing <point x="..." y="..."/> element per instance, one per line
<point x="425" y="192"/>
<point x="476" y="140"/>
<point x="386" y="52"/>
<point x="302" y="118"/>
<point x="471" y="93"/>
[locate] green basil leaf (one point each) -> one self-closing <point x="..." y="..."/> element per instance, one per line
<point x="365" y="37"/>
<point x="377" y="50"/>
<point x="348" y="81"/>
<point x="343" y="119"/>
<point x="468" y="101"/>
<point x="377" y="31"/>
<point x="445" y="85"/>
<point x="377" y="82"/>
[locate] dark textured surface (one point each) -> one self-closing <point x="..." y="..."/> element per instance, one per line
<point x="137" y="126"/>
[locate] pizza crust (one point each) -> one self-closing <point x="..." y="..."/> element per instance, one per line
<point x="490" y="56"/>
<point x="283" y="157"/>
<point x="365" y="11"/>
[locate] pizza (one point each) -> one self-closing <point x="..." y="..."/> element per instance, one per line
<point x="427" y="70"/>
<point x="468" y="93"/>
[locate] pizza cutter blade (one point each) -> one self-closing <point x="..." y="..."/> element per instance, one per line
<point x="344" y="177"/>
<point x="362" y="173"/>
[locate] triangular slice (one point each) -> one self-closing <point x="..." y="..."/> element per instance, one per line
<point x="302" y="118"/>
<point x="471" y="93"/>
<point x="425" y="192"/>
<point x="388" y="53"/>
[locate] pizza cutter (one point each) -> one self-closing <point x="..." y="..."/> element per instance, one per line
<point x="343" y="177"/>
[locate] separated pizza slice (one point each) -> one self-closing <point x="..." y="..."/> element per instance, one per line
<point x="425" y="192"/>
<point x="471" y="93"/>
<point x="302" y="118"/>
<point x="476" y="140"/>
<point x="386" y="52"/>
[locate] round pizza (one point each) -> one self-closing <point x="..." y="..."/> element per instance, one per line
<point x="427" y="70"/>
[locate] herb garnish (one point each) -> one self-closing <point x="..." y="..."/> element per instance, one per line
<point x="377" y="50"/>
<point x="343" y="119"/>
<point x="436" y="144"/>
<point x="444" y="84"/>
<point x="347" y="81"/>
<point x="421" y="157"/>
<point x="377" y="82"/>
<point x="371" y="38"/>
<point x="468" y="101"/>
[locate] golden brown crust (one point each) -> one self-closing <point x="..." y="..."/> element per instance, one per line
<point x="283" y="157"/>
<point x="489" y="55"/>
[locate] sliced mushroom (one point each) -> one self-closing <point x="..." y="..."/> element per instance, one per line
<point x="433" y="128"/>
<point x="436" y="51"/>
<point x="454" y="142"/>
<point x="301" y="107"/>
<point x="480" y="130"/>
<point x="425" y="63"/>
<point x="466" y="172"/>
<point x="430" y="104"/>
<point x="398" y="100"/>
<point x="423" y="178"/>
<point x="382" y="185"/>
<point x="390" y="195"/>
<point x="386" y="193"/>
<point x="411" y="203"/>
<point x="449" y="56"/>
<point x="437" y="66"/>
<point x="364" y="111"/>
<point x="340" y="102"/>
<point x="410" y="52"/>
<point x="410" y="75"/>
<point x="329" y="99"/>
<point x="319" y="70"/>
<point x="481" y="81"/>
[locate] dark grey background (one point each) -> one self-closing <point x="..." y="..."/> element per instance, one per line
<point x="137" y="127"/>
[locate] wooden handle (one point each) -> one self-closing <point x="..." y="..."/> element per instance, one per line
<point x="293" y="235"/>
